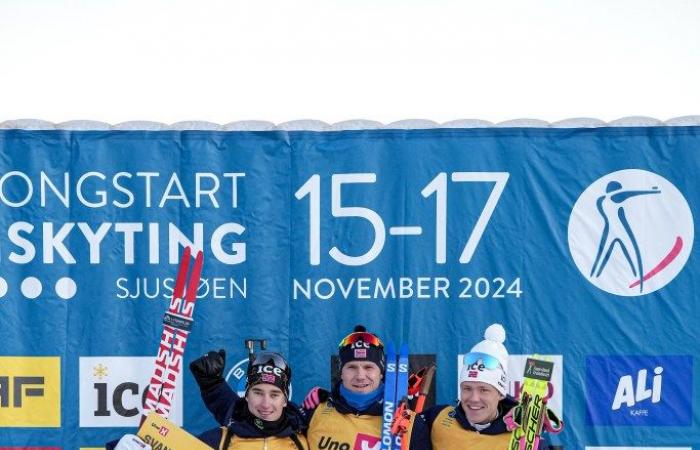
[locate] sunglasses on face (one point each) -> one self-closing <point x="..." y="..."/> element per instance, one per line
<point x="367" y="338"/>
<point x="488" y="361"/>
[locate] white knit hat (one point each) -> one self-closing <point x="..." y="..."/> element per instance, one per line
<point x="487" y="361"/>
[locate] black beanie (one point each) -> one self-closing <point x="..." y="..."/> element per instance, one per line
<point x="360" y="345"/>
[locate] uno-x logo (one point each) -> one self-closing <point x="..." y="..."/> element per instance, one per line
<point x="630" y="232"/>
<point x="362" y="442"/>
<point x="30" y="392"/>
<point x="639" y="390"/>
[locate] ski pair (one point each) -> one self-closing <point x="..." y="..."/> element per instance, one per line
<point x="531" y="415"/>
<point x="395" y="390"/>
<point x="177" y="324"/>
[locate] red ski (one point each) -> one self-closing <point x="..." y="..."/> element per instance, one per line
<point x="177" y="324"/>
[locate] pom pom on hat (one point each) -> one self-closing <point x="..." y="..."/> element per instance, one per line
<point x="495" y="333"/>
<point x="492" y="345"/>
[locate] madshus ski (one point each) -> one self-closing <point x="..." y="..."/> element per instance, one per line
<point x="531" y="415"/>
<point x="395" y="390"/>
<point x="177" y="324"/>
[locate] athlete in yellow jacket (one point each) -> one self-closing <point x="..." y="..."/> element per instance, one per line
<point x="476" y="422"/>
<point x="350" y="417"/>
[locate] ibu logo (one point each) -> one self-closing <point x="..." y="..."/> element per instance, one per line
<point x="236" y="377"/>
<point x="630" y="232"/>
<point x="639" y="390"/>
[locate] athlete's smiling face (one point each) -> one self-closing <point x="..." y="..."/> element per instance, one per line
<point x="479" y="401"/>
<point x="361" y="376"/>
<point x="266" y="401"/>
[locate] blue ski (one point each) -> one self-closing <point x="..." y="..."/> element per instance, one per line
<point x="389" y="397"/>
<point x="401" y="386"/>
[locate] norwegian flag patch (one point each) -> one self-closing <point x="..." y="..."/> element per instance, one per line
<point x="360" y="353"/>
<point x="268" y="378"/>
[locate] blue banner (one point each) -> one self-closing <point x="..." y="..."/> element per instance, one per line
<point x="579" y="241"/>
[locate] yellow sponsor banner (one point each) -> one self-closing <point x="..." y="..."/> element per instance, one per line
<point x="30" y="391"/>
<point x="163" y="434"/>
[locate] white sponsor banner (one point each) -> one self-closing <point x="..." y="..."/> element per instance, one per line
<point x="112" y="391"/>
<point x="516" y="368"/>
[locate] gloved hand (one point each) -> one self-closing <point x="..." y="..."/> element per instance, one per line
<point x="208" y="370"/>
<point x="315" y="397"/>
<point x="131" y="442"/>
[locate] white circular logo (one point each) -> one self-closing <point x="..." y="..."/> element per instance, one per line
<point x="631" y="232"/>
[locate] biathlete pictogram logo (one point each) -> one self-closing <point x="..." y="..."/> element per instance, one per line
<point x="631" y="232"/>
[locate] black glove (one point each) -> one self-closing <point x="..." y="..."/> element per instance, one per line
<point x="208" y="370"/>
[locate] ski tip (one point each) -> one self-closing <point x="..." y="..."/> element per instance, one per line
<point x="404" y="349"/>
<point x="198" y="262"/>
<point x="390" y="350"/>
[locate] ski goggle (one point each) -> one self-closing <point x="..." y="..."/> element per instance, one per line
<point x="361" y="336"/>
<point x="488" y="361"/>
<point x="269" y="358"/>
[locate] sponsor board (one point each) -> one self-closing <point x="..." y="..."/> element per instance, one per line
<point x="516" y="368"/>
<point x="30" y="391"/>
<point x="639" y="390"/>
<point x="112" y="390"/>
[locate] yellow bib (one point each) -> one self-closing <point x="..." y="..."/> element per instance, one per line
<point x="268" y="443"/>
<point x="448" y="434"/>
<point x="330" y="430"/>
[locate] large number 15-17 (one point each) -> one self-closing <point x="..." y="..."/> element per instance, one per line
<point x="437" y="186"/>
